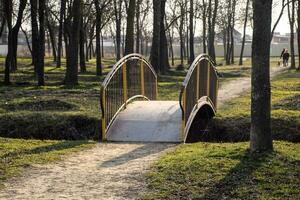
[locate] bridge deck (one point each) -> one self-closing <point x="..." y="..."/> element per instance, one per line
<point x="147" y="121"/>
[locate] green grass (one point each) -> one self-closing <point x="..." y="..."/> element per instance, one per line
<point x="226" y="171"/>
<point x="18" y="154"/>
<point x="59" y="110"/>
<point x="232" y="122"/>
<point x="53" y="111"/>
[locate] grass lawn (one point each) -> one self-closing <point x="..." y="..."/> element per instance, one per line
<point x="232" y="122"/>
<point x="55" y="111"/>
<point x="17" y="154"/>
<point x="226" y="171"/>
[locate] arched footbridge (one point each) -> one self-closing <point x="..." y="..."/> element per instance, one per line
<point x="132" y="113"/>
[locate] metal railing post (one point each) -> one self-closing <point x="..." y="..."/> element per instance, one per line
<point x="142" y="79"/>
<point x="208" y="79"/>
<point x="198" y="82"/>
<point x="125" y="83"/>
<point x="103" y="116"/>
<point x="183" y="118"/>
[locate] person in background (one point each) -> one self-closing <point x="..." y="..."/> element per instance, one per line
<point x="282" y="52"/>
<point x="285" y="57"/>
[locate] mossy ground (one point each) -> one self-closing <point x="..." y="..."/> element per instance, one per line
<point x="226" y="171"/>
<point x="55" y="111"/>
<point x="232" y="122"/>
<point x="229" y="170"/>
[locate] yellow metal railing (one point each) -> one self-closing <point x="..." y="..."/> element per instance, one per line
<point x="200" y="85"/>
<point x="131" y="78"/>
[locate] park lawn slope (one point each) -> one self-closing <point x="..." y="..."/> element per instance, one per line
<point x="226" y="171"/>
<point x="232" y="122"/>
<point x="58" y="112"/>
<point x="53" y="111"/>
<point x="17" y="154"/>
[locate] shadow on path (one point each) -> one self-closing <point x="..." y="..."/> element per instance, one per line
<point x="140" y="152"/>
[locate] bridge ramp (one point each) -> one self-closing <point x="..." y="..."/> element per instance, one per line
<point x="147" y="121"/>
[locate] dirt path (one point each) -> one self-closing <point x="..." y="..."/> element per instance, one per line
<point x="235" y="88"/>
<point x="108" y="171"/>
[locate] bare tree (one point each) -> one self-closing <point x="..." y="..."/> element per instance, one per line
<point x="298" y="32"/>
<point x="8" y="16"/>
<point x="212" y="15"/>
<point x="244" y="32"/>
<point x="60" y="32"/>
<point x="291" y="15"/>
<point x="129" y="41"/>
<point x="118" y="20"/>
<point x="192" y="53"/>
<point x="260" y="136"/>
<point x="71" y="77"/>
<point x="11" y="59"/>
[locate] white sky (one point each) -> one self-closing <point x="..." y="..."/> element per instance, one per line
<point x="283" y="25"/>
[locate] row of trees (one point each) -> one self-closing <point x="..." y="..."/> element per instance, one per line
<point x="75" y="24"/>
<point x="78" y="23"/>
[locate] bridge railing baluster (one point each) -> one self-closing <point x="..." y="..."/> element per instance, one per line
<point x="130" y="79"/>
<point x="201" y="82"/>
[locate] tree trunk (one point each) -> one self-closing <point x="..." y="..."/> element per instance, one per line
<point x="8" y="16"/>
<point x="155" y="48"/>
<point x="129" y="41"/>
<point x="41" y="42"/>
<point x="60" y="32"/>
<point x="71" y="78"/>
<point x="211" y="34"/>
<point x="244" y="33"/>
<point x="98" y="39"/>
<point x="52" y="37"/>
<point x="298" y="32"/>
<point x="138" y="29"/>
<point x="204" y="27"/>
<point x="118" y="18"/>
<point x="14" y="36"/>
<point x="164" y="59"/>
<point x="192" y="53"/>
<point x="81" y="48"/>
<point x="34" y="34"/>
<point x="102" y="45"/>
<point x="232" y="32"/>
<point x="260" y="136"/>
<point x="291" y="16"/>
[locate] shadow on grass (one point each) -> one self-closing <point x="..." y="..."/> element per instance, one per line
<point x="290" y="103"/>
<point x="140" y="152"/>
<point x="45" y="149"/>
<point x="238" y="176"/>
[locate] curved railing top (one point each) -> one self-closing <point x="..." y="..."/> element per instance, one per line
<point x="121" y="62"/>
<point x="194" y="65"/>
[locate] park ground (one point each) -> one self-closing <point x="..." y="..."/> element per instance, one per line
<point x="191" y="171"/>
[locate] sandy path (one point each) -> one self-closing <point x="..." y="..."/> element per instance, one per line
<point x="108" y="171"/>
<point x="235" y="88"/>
